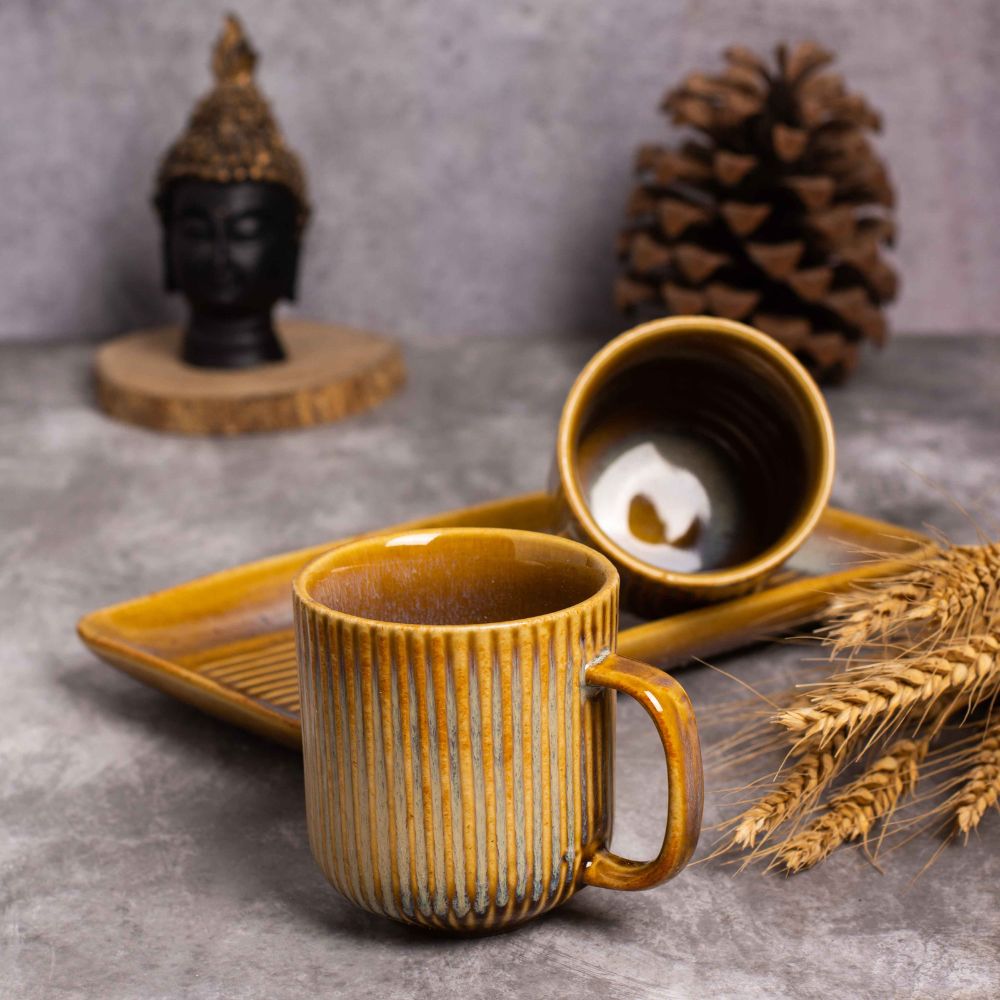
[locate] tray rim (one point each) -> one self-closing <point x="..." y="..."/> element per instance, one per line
<point x="97" y="631"/>
<point x="101" y="637"/>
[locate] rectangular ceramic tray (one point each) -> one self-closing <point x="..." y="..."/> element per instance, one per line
<point x="225" y="642"/>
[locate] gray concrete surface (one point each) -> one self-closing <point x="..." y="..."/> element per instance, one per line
<point x="148" y="851"/>
<point x="469" y="161"/>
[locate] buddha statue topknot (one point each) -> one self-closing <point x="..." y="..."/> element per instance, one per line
<point x="232" y="201"/>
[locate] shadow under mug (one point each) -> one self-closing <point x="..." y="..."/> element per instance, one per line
<point x="458" y="726"/>
<point x="697" y="454"/>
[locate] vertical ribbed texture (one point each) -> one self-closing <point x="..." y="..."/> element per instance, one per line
<point x="456" y="778"/>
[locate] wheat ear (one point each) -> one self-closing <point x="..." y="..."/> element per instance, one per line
<point x="792" y="796"/>
<point x="852" y="701"/>
<point x="980" y="787"/>
<point x="852" y="813"/>
<point x="948" y="593"/>
<point x="874" y="615"/>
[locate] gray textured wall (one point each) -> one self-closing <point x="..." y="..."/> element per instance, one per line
<point x="469" y="161"/>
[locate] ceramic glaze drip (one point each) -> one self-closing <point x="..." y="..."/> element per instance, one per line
<point x="670" y="499"/>
<point x="456" y="781"/>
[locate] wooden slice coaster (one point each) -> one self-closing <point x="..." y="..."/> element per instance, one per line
<point x="330" y="373"/>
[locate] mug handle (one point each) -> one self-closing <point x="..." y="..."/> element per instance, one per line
<point x="670" y="709"/>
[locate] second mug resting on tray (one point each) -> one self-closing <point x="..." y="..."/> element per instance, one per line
<point x="697" y="454"/>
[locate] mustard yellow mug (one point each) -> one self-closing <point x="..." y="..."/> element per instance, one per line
<point x="458" y="726"/>
<point x="697" y="454"/>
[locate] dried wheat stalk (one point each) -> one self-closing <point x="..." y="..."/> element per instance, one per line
<point x="980" y="787"/>
<point x="917" y="651"/>
<point x="945" y="595"/>
<point x="855" y="700"/>
<point x="792" y="796"/>
<point x="876" y="616"/>
<point x="854" y="811"/>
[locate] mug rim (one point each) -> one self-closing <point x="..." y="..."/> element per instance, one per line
<point x="572" y="415"/>
<point x="321" y="565"/>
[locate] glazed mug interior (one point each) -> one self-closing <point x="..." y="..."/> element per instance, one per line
<point x="458" y="705"/>
<point x="697" y="453"/>
<point x="439" y="579"/>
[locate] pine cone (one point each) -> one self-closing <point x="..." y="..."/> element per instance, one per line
<point x="774" y="211"/>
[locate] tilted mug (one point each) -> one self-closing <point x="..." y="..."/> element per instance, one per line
<point x="697" y="454"/>
<point x="458" y="711"/>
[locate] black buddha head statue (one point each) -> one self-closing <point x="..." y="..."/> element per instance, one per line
<point x="231" y="199"/>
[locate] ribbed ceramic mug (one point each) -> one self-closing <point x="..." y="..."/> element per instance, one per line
<point x="458" y="708"/>
<point x="697" y="454"/>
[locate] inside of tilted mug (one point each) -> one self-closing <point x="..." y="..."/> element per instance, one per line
<point x="433" y="578"/>
<point x="698" y="453"/>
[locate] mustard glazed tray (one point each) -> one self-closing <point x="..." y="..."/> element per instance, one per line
<point x="225" y="643"/>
